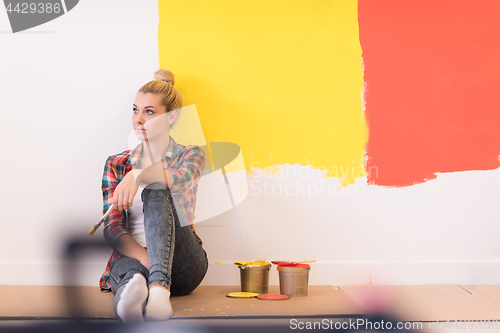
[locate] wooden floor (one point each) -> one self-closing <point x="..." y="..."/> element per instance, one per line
<point x="431" y="303"/>
<point x="407" y="303"/>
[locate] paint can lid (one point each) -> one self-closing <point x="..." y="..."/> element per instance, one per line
<point x="288" y="262"/>
<point x="264" y="265"/>
<point x="242" y="294"/>
<point x="274" y="297"/>
<point x="252" y="263"/>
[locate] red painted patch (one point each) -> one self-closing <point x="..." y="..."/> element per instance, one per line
<point x="432" y="70"/>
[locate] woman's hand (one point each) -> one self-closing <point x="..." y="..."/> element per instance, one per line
<point x="125" y="191"/>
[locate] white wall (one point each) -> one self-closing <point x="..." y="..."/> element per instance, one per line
<point x="66" y="88"/>
<point x="440" y="232"/>
<point x="66" y="92"/>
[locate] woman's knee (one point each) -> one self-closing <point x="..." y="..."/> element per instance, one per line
<point x="155" y="189"/>
<point x="156" y="186"/>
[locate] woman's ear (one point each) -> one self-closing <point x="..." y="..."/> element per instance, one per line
<point x="172" y="115"/>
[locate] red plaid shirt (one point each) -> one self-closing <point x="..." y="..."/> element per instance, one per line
<point x="186" y="163"/>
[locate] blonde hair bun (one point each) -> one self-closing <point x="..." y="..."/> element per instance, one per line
<point x="165" y="75"/>
<point x="170" y="97"/>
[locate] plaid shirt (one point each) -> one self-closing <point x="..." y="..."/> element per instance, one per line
<point x="186" y="163"/>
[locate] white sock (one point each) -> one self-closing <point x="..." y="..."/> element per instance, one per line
<point x="158" y="307"/>
<point x="135" y="292"/>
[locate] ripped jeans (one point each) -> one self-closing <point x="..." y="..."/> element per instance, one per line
<point x="176" y="259"/>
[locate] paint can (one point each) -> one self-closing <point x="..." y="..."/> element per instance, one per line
<point x="294" y="279"/>
<point x="255" y="278"/>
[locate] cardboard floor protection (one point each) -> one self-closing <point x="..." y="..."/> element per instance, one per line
<point x="412" y="303"/>
<point x="204" y="302"/>
<point x="430" y="302"/>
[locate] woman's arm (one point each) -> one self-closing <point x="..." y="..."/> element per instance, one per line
<point x="115" y="224"/>
<point x="155" y="173"/>
<point x="188" y="174"/>
<point x="177" y="180"/>
<point x="125" y="191"/>
<point x="115" y="231"/>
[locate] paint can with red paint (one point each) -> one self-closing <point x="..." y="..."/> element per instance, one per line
<point x="255" y="278"/>
<point x="294" y="279"/>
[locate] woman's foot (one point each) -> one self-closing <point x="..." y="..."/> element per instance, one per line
<point x="135" y="292"/>
<point x="158" y="307"/>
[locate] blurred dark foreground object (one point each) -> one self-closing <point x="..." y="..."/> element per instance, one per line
<point x="212" y="325"/>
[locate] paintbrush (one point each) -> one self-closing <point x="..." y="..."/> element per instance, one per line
<point x="94" y="228"/>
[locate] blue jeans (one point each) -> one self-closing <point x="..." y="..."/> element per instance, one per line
<point x="176" y="259"/>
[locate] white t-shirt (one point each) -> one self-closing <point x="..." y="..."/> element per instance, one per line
<point x="136" y="219"/>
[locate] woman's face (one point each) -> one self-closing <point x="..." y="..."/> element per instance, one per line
<point x="150" y="119"/>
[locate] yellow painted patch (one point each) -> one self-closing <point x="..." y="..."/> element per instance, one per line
<point x="282" y="79"/>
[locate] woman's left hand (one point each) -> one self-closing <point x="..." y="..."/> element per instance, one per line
<point x="125" y="191"/>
